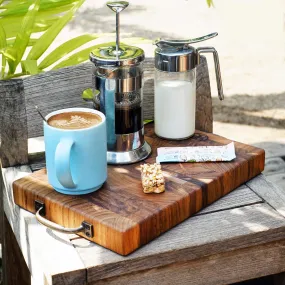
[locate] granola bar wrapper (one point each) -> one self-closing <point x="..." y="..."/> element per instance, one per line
<point x="196" y="153"/>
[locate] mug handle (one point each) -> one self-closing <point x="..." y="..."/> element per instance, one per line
<point x="62" y="163"/>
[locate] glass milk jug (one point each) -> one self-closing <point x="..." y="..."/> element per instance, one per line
<point x="175" y="86"/>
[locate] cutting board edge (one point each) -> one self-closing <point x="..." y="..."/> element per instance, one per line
<point x="257" y="161"/>
<point x="130" y="233"/>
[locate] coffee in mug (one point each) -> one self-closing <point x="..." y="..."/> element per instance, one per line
<point x="76" y="150"/>
<point x="74" y="120"/>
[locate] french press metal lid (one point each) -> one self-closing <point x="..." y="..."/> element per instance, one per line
<point x="108" y="54"/>
<point x="179" y="56"/>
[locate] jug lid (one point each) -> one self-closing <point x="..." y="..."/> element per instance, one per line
<point x="175" y="58"/>
<point x="105" y="55"/>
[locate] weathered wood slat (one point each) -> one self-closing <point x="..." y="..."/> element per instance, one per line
<point x="2" y="228"/>
<point x="195" y="238"/>
<point x="55" y="90"/>
<point x="273" y="195"/>
<point x="1" y="207"/>
<point x="204" y="111"/>
<point x="16" y="271"/>
<point x="242" y="196"/>
<point x="53" y="256"/>
<point x="278" y="179"/>
<point x="219" y="269"/>
<point x="273" y="148"/>
<point x="50" y="257"/>
<point x="13" y="123"/>
<point x="274" y="165"/>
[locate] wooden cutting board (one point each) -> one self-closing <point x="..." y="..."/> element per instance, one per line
<point x="123" y="217"/>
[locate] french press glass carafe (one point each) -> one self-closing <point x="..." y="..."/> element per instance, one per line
<point x="175" y="86"/>
<point x="118" y="80"/>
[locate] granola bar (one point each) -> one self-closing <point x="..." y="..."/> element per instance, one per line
<point x="152" y="178"/>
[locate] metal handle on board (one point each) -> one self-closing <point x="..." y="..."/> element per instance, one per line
<point x="84" y="227"/>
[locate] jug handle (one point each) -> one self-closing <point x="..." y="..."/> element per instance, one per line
<point x="217" y="67"/>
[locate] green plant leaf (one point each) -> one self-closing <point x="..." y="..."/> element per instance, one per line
<point x="147" y="121"/>
<point x="23" y="37"/>
<point x="3" y="66"/>
<point x="29" y="67"/>
<point x="11" y="57"/>
<point x="88" y="94"/>
<point x="47" y="38"/>
<point x="210" y="3"/>
<point x="3" y="44"/>
<point x="66" y="48"/>
<point x="14" y="8"/>
<point x="76" y="58"/>
<point x="12" y="26"/>
<point x="11" y="41"/>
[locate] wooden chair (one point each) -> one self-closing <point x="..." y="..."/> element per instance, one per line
<point x="19" y="122"/>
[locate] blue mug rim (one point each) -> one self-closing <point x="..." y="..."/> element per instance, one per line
<point x="76" y="109"/>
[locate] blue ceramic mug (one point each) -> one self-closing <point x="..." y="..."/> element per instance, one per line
<point x="76" y="159"/>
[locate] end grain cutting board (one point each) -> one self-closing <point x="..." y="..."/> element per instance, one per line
<point x="123" y="217"/>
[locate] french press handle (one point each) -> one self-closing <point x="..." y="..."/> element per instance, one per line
<point x="217" y="67"/>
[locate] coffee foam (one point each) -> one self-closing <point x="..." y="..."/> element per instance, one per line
<point x="74" y="120"/>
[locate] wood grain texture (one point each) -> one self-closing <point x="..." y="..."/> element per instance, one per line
<point x="55" y="90"/>
<point x="195" y="238"/>
<point x="242" y="196"/>
<point x="278" y="179"/>
<point x="273" y="195"/>
<point x="1" y="207"/>
<point x="51" y="258"/>
<point x="274" y="165"/>
<point x="13" y="123"/>
<point x="218" y="269"/>
<point x="16" y="271"/>
<point x="2" y="228"/>
<point x="124" y="218"/>
<point x="204" y="111"/>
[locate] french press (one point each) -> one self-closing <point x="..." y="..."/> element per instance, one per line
<point x="118" y="76"/>
<point x="175" y="86"/>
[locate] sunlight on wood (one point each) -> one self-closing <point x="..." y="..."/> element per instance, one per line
<point x="256" y="227"/>
<point x="237" y="212"/>
<point x="121" y="170"/>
